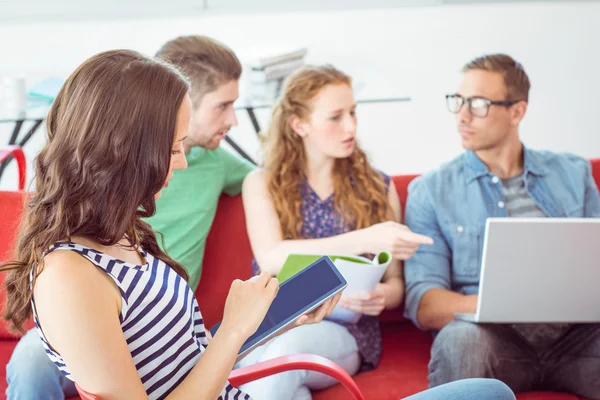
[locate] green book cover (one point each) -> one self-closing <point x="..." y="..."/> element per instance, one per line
<point x="297" y="262"/>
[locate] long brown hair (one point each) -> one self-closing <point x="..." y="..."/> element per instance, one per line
<point x="359" y="191"/>
<point x="110" y="134"/>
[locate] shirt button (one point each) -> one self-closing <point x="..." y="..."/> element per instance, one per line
<point x="501" y="204"/>
<point x="495" y="179"/>
<point x="460" y="229"/>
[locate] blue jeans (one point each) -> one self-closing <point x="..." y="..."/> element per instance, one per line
<point x="568" y="364"/>
<point x="467" y="389"/>
<point x="31" y="375"/>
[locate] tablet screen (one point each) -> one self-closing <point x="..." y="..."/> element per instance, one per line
<point x="298" y="294"/>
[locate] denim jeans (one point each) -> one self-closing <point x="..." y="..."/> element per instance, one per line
<point x="467" y="389"/>
<point x="570" y="364"/>
<point x="327" y="339"/>
<point x="31" y="375"/>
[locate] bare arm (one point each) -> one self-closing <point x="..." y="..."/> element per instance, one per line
<point x="271" y="250"/>
<point x="438" y="306"/>
<point x="209" y="375"/>
<point x="266" y="237"/>
<point x="71" y="292"/>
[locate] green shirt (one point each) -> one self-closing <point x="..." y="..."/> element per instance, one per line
<point x="187" y="207"/>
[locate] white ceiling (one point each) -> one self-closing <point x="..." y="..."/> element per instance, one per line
<point x="15" y="11"/>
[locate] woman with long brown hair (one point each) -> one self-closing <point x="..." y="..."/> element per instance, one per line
<point x="319" y="194"/>
<point x="114" y="312"/>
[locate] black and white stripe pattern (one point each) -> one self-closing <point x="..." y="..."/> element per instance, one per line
<point x="160" y="319"/>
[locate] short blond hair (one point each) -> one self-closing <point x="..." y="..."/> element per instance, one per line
<point x="515" y="78"/>
<point x="207" y="63"/>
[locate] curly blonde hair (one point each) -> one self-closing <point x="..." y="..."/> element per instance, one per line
<point x="360" y="193"/>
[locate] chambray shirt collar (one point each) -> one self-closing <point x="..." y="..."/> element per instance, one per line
<point x="476" y="168"/>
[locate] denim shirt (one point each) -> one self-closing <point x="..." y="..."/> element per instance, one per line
<point x="452" y="204"/>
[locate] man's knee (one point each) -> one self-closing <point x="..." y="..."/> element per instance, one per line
<point x="459" y="338"/>
<point x="575" y="362"/>
<point x="460" y="350"/>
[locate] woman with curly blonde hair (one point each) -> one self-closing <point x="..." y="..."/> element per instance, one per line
<point x="318" y="193"/>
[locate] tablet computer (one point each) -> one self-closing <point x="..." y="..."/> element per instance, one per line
<point x="298" y="295"/>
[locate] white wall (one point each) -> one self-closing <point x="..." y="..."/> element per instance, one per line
<point x="414" y="52"/>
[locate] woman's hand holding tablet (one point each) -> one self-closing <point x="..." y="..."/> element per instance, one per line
<point x="259" y="311"/>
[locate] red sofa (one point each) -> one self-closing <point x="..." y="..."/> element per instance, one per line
<point x="403" y="367"/>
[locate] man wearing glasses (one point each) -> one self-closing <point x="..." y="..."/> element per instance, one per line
<point x="495" y="177"/>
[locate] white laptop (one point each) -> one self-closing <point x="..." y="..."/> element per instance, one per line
<point x="538" y="270"/>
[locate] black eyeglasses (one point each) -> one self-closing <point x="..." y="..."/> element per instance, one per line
<point x="478" y="106"/>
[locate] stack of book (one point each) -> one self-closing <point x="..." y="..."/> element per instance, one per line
<point x="267" y="74"/>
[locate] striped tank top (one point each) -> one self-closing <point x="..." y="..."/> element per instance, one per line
<point x="160" y="319"/>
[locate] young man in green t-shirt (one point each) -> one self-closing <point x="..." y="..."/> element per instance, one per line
<point x="185" y="211"/>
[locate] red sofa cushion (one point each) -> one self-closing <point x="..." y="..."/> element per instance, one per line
<point x="228" y="257"/>
<point x="402" y="370"/>
<point x="11" y="208"/>
<point x="596" y="170"/>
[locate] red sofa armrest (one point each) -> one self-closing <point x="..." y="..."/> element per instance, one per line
<point x="277" y="365"/>
<point x="309" y="362"/>
<point x="17" y="153"/>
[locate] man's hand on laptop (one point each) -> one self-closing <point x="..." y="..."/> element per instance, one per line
<point x="438" y="306"/>
<point x="473" y="301"/>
